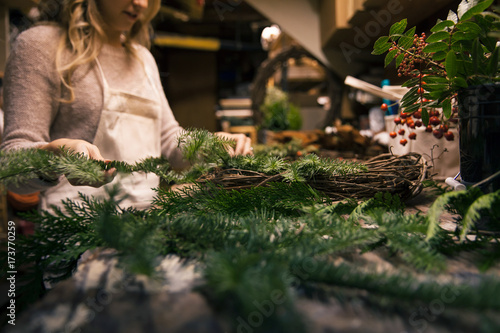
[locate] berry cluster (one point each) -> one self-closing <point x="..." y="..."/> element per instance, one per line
<point x="418" y="64"/>
<point x="437" y="125"/>
<point x="411" y="57"/>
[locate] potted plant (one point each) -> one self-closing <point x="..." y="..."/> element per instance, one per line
<point x="278" y="112"/>
<point x="453" y="75"/>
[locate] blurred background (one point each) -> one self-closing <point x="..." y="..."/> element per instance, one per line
<point x="219" y="58"/>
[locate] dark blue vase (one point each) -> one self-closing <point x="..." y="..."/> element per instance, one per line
<point x="479" y="114"/>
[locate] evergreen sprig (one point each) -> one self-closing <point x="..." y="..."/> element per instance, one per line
<point x="249" y="243"/>
<point x="201" y="146"/>
<point x="22" y="165"/>
<point x="469" y="206"/>
<point x="205" y="151"/>
<point x="281" y="239"/>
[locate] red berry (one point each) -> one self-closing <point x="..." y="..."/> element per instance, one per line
<point x="412" y="135"/>
<point x="397" y="120"/>
<point x="393" y="134"/>
<point x="437" y="133"/>
<point x="384" y="106"/>
<point x="443" y="128"/>
<point x="401" y="131"/>
<point x="418" y="123"/>
<point x="434" y="120"/>
<point x="449" y="136"/>
<point x="434" y="113"/>
<point x="403" y="115"/>
<point x="428" y="129"/>
<point x="403" y="142"/>
<point x="418" y="114"/>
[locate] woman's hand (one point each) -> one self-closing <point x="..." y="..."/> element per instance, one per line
<point x="85" y="148"/>
<point x="243" y="143"/>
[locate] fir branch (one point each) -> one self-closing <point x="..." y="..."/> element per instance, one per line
<point x="202" y="146"/>
<point x="281" y="198"/>
<point x="21" y="166"/>
<point x="473" y="215"/>
<point x="482" y="295"/>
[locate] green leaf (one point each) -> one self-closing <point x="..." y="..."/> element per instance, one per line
<point x="381" y="45"/>
<point x="399" y="59"/>
<point x="460" y="82"/>
<point x="412" y="108"/>
<point x="438" y="56"/>
<point x="442" y="25"/>
<point x="493" y="63"/>
<point x="411" y="82"/>
<point x="489" y="42"/>
<point x="410" y="97"/>
<point x="411" y="32"/>
<point x="438" y="36"/>
<point x="447" y="108"/>
<point x="441" y="94"/>
<point x="460" y="35"/>
<point x="407" y="40"/>
<point x="435" y="47"/>
<point x="476" y="9"/>
<point x="389" y="57"/>
<point x="451" y="64"/>
<point x="469" y="27"/>
<point x="477" y="55"/>
<point x="425" y="116"/>
<point x="431" y="79"/>
<point x="432" y="87"/>
<point x="398" y="28"/>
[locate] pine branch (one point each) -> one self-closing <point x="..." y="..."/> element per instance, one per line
<point x="202" y="146"/>
<point x="23" y="165"/>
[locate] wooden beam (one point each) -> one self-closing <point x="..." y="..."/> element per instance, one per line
<point x="4" y="37"/>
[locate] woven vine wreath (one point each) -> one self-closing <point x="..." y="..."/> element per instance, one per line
<point x="401" y="175"/>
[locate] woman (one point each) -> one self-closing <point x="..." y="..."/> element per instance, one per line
<point x="86" y="81"/>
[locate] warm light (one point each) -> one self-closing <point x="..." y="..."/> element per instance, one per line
<point x="269" y="35"/>
<point x="323" y="100"/>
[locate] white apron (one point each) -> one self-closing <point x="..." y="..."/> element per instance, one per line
<point x="129" y="130"/>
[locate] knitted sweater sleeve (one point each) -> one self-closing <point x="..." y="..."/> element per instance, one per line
<point x="31" y="89"/>
<point x="30" y="85"/>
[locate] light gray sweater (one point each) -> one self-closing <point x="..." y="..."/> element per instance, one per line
<point x="33" y="114"/>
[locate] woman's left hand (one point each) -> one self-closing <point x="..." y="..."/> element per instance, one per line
<point x="243" y="143"/>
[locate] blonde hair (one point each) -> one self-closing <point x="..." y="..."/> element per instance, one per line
<point x="83" y="33"/>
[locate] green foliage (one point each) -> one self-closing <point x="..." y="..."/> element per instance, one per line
<point x="23" y="165"/>
<point x="259" y="242"/>
<point x="264" y="245"/>
<point x="278" y="113"/>
<point x="201" y="146"/>
<point x="311" y="166"/>
<point x="279" y="198"/>
<point x="205" y="151"/>
<point x="462" y="51"/>
<point x="470" y="206"/>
